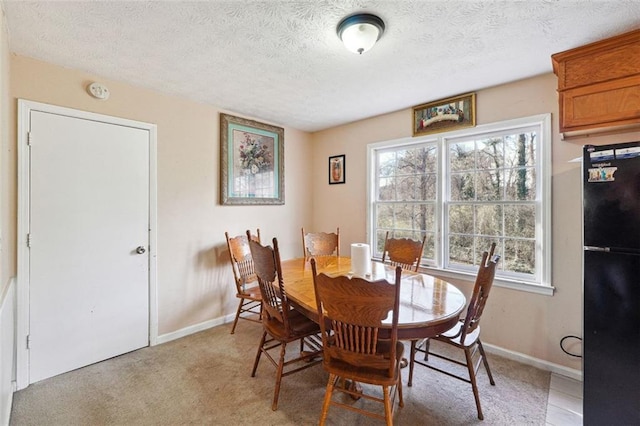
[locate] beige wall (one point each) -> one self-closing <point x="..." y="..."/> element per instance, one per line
<point x="7" y="291"/>
<point x="7" y="168"/>
<point x="194" y="278"/>
<point x="518" y="321"/>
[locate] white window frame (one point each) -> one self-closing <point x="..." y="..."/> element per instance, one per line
<point x="541" y="284"/>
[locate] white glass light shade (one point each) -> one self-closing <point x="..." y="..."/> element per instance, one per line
<point x="360" y="37"/>
<point x="360" y="32"/>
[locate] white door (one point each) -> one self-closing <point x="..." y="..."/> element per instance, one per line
<point x="88" y="242"/>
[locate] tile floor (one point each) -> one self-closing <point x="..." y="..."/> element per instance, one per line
<point x="564" y="407"/>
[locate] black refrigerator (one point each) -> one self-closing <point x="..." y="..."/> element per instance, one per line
<point x="611" y="286"/>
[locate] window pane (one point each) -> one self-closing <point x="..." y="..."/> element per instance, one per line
<point x="461" y="219"/>
<point x="520" y="221"/>
<point x="430" y="247"/>
<point x="380" y="236"/>
<point x="490" y="185"/>
<point x="406" y="161"/>
<point x="428" y="187"/>
<point x="490" y="154"/>
<point x="519" y="256"/>
<point x="417" y="160"/>
<point x="425" y="217"/>
<point x="461" y="249"/>
<point x="384" y="216"/>
<point x="462" y="156"/>
<point x="489" y="219"/>
<point x="386" y="164"/>
<point x="408" y="188"/>
<point x="521" y="184"/>
<point x="484" y="244"/>
<point x="387" y="189"/>
<point x="430" y="154"/>
<point x="406" y="233"/>
<point x="405" y="217"/>
<point x="462" y="187"/>
<point x="520" y="150"/>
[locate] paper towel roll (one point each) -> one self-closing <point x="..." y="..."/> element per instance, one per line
<point x="360" y="259"/>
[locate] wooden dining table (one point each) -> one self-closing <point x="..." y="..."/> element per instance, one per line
<point x="428" y="305"/>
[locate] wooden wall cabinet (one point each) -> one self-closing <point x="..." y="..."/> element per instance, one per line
<point x="599" y="85"/>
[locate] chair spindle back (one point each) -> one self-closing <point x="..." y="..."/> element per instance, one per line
<point x="321" y="243"/>
<point x="241" y="259"/>
<point x="266" y="262"/>
<point x="403" y="252"/>
<point x="352" y="312"/>
<point x="481" y="289"/>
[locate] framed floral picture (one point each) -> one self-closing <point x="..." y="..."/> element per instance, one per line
<point x="337" y="171"/>
<point x="251" y="162"/>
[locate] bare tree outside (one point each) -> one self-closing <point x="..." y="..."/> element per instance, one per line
<point x="465" y="192"/>
<point x="406" y="195"/>
<point x="493" y="200"/>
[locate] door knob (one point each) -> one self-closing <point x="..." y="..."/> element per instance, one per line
<point x="140" y="250"/>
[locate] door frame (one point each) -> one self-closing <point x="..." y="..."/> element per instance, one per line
<point x="25" y="107"/>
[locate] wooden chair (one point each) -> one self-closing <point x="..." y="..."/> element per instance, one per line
<point x="281" y="323"/>
<point x="403" y="252"/>
<point x="250" y="305"/>
<point x="466" y="334"/>
<point x="320" y="244"/>
<point x="351" y="312"/>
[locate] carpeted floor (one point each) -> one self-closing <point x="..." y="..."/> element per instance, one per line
<point x="204" y="379"/>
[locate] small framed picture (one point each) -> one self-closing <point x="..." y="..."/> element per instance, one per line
<point x="337" y="169"/>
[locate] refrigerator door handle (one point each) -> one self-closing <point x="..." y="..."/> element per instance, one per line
<point x="629" y="251"/>
<point x="594" y="248"/>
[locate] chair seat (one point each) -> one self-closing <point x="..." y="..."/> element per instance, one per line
<point x="454" y="333"/>
<point x="299" y="326"/>
<point x="366" y="374"/>
<point x="250" y="293"/>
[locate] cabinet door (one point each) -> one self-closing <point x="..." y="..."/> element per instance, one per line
<point x="612" y="103"/>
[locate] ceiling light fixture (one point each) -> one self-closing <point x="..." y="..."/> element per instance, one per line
<point x="360" y="32"/>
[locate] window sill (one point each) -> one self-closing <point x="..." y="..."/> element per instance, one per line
<point x="499" y="282"/>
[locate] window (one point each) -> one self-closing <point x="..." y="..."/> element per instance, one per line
<point x="465" y="190"/>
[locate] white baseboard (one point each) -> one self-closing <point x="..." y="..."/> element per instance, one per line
<point x="534" y="362"/>
<point x="183" y="332"/>
<point x="8" y="404"/>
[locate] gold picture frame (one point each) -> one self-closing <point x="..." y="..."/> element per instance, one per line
<point x="251" y="162"/>
<point x="444" y="115"/>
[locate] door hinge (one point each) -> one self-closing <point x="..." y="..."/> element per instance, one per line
<point x="29" y="240"/>
<point x="29" y="138"/>
<point x="28" y="341"/>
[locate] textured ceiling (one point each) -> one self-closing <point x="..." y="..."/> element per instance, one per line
<point x="281" y="61"/>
